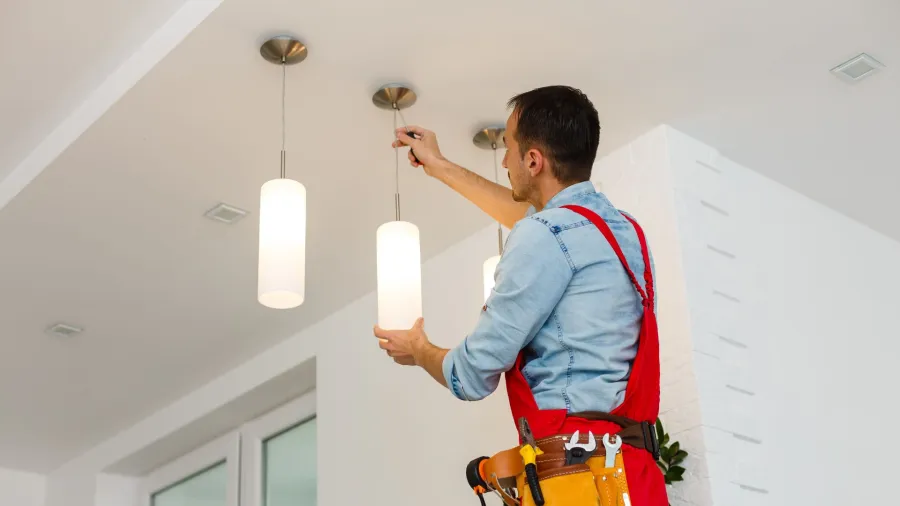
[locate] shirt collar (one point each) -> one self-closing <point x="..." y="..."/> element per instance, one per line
<point x="568" y="194"/>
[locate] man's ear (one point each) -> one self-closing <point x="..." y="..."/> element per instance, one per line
<point x="535" y="162"/>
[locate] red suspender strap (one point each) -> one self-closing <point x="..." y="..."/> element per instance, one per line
<point x="645" y="252"/>
<point x="611" y="239"/>
<point x="641" y="401"/>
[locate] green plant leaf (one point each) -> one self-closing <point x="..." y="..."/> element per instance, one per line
<point x="665" y="454"/>
<point x="675" y="472"/>
<point x="670" y="456"/>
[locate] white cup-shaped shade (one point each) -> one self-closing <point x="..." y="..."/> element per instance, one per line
<point x="282" y="244"/>
<point x="399" y="275"/>
<point x="490" y="265"/>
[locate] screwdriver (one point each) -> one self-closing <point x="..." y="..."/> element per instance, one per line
<point x="405" y="125"/>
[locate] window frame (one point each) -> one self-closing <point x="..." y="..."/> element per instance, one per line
<point x="226" y="449"/>
<point x="255" y="433"/>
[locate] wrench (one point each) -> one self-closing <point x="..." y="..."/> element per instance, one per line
<point x="611" y="449"/>
<point x="577" y="453"/>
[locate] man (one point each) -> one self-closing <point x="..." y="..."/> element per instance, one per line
<point x="565" y="316"/>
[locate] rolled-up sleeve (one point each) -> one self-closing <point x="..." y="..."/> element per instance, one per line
<point x="531" y="277"/>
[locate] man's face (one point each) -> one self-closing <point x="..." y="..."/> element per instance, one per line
<point x="516" y="166"/>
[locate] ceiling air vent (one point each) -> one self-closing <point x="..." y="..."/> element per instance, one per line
<point x="225" y="213"/>
<point x="857" y="68"/>
<point x="64" y="330"/>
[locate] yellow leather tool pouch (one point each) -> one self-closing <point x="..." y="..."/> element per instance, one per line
<point x="612" y="485"/>
<point x="589" y="484"/>
<point x="563" y="486"/>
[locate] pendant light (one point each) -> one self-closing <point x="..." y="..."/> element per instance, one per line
<point x="399" y="263"/>
<point x="282" y="208"/>
<point x="491" y="138"/>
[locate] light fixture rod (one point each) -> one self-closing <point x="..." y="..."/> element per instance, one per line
<point x="496" y="167"/>
<point x="497" y="180"/>
<point x="396" y="170"/>
<point x="492" y="138"/>
<point x="402" y="119"/>
<point x="283" y="92"/>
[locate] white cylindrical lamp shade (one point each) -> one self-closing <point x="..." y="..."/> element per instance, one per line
<point x="490" y="265"/>
<point x="282" y="244"/>
<point x="399" y="275"/>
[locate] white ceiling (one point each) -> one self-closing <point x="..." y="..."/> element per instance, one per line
<point x="110" y="236"/>
<point x="55" y="53"/>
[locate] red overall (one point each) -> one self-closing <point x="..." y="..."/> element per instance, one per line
<point x="641" y="403"/>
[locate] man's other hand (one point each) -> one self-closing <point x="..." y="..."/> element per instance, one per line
<point x="401" y="345"/>
<point x="405" y="360"/>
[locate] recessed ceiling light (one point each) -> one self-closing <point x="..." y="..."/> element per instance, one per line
<point x="858" y="67"/>
<point x="64" y="330"/>
<point x="225" y="213"/>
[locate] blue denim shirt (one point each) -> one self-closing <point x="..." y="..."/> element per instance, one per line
<point x="563" y="298"/>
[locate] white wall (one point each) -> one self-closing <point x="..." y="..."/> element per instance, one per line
<point x="113" y="490"/>
<point x="19" y="488"/>
<point x="794" y="342"/>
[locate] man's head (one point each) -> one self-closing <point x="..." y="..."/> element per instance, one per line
<point x="551" y="139"/>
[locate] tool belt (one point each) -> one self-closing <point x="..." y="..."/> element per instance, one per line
<point x="641" y="435"/>
<point x="596" y="481"/>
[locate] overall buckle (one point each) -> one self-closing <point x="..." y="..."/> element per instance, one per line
<point x="651" y="442"/>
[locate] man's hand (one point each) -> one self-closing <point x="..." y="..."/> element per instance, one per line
<point x="493" y="198"/>
<point x="411" y="347"/>
<point x="405" y="360"/>
<point x="401" y="345"/>
<point x="425" y="147"/>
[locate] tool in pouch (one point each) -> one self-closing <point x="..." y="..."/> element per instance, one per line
<point x="612" y="449"/>
<point x="529" y="452"/>
<point x="482" y="475"/>
<point x="577" y="453"/>
<point x="612" y="483"/>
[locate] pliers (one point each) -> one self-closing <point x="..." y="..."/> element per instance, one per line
<point x="529" y="452"/>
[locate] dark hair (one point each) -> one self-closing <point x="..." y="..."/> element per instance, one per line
<point x="564" y="124"/>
